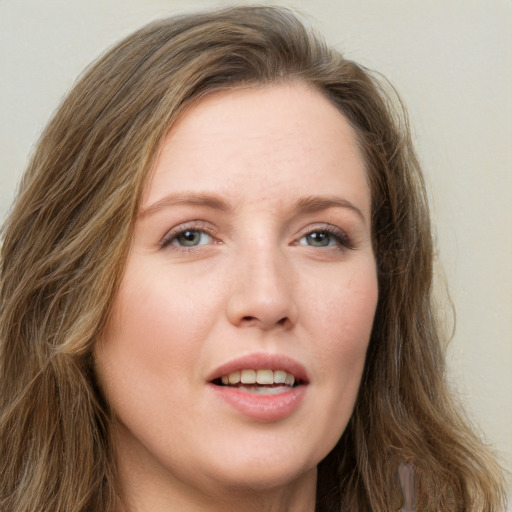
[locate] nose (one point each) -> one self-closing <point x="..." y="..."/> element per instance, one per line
<point x="262" y="293"/>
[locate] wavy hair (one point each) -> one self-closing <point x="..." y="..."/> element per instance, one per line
<point x="66" y="241"/>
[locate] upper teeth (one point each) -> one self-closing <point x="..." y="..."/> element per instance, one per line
<point x="259" y="377"/>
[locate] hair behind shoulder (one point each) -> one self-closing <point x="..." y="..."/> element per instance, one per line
<point x="67" y="238"/>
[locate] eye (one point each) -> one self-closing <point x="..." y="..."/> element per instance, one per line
<point x="191" y="238"/>
<point x="325" y="238"/>
<point x="187" y="238"/>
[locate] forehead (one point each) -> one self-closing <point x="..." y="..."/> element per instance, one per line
<point x="261" y="139"/>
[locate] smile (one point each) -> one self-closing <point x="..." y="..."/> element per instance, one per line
<point x="263" y="380"/>
<point x="263" y="387"/>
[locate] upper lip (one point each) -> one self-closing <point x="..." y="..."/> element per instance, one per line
<point x="262" y="361"/>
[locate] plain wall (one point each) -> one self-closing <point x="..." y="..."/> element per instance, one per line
<point x="451" y="61"/>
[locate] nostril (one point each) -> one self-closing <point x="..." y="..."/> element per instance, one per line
<point x="253" y="320"/>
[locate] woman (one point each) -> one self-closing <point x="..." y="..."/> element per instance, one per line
<point x="216" y="289"/>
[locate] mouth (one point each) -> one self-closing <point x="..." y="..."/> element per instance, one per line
<point x="263" y="387"/>
<point x="263" y="381"/>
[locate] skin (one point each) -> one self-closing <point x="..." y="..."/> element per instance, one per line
<point x="255" y="280"/>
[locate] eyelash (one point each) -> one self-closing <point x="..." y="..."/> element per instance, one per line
<point x="341" y="239"/>
<point x="182" y="229"/>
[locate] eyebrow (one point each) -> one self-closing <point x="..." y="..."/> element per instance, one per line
<point x="306" y="204"/>
<point x="310" y="204"/>
<point x="210" y="201"/>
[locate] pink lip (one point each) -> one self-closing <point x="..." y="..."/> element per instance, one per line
<point x="260" y="407"/>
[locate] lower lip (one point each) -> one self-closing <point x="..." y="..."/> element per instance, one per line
<point x="259" y="406"/>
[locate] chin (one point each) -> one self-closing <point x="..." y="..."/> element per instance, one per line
<point x="258" y="469"/>
<point x="263" y="478"/>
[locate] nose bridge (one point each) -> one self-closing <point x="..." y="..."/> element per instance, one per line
<point x="262" y="294"/>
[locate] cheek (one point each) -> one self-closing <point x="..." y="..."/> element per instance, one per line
<point x="154" y="337"/>
<point x="344" y="310"/>
<point x="344" y="315"/>
<point x="338" y="319"/>
<point x="356" y="311"/>
<point x="158" y="309"/>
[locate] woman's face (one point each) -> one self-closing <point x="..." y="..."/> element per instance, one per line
<point x="251" y="260"/>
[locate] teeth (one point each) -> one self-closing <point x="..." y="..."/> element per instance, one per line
<point x="248" y="377"/>
<point x="280" y="376"/>
<point x="234" y="378"/>
<point x="263" y="377"/>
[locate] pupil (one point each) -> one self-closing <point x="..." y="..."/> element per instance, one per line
<point x="189" y="238"/>
<point x="319" y="239"/>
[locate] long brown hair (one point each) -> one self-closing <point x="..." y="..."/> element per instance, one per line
<point x="66" y="241"/>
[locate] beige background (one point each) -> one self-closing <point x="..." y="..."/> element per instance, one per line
<point x="451" y="60"/>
